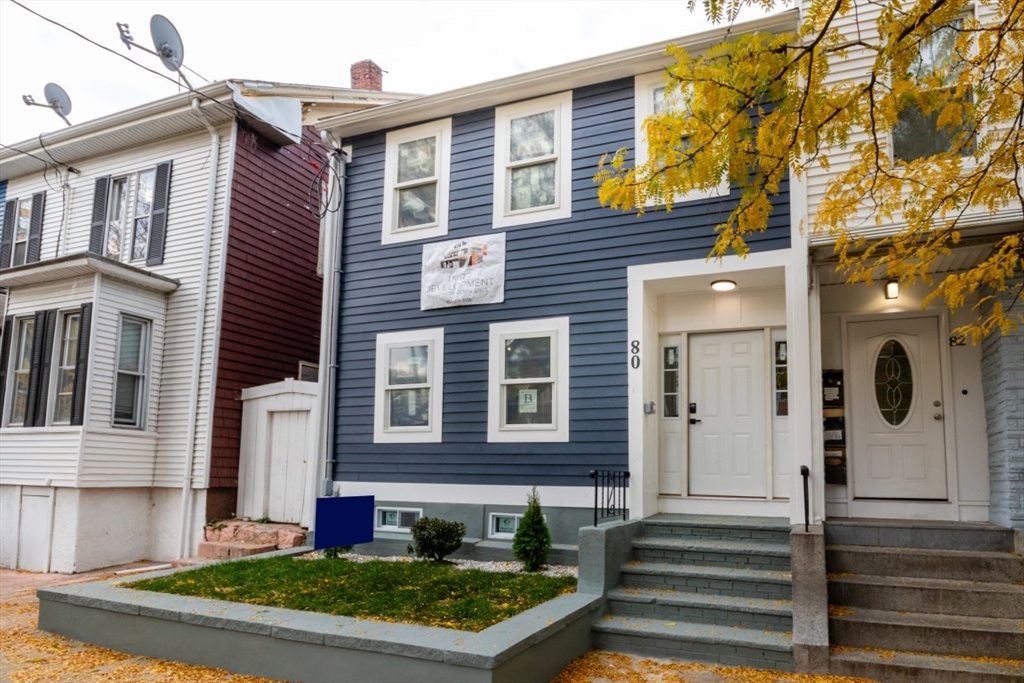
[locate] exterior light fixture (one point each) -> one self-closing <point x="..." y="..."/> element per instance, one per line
<point x="892" y="289"/>
<point x="723" y="285"/>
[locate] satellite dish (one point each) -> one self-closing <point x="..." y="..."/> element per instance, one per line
<point x="166" y="40"/>
<point x="56" y="99"/>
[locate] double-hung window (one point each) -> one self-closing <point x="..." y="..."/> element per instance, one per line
<point x="22" y="230"/>
<point x="416" y="169"/>
<point x="66" y="366"/>
<point x="128" y="223"/>
<point x="936" y="68"/>
<point x="129" y="216"/>
<point x="533" y="161"/>
<point x="408" y="387"/>
<point x="130" y="381"/>
<point x="21" y="370"/>
<point x="43" y="366"/>
<point x="652" y="99"/>
<point x="528" y="387"/>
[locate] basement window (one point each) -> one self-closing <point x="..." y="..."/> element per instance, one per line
<point x="397" y="519"/>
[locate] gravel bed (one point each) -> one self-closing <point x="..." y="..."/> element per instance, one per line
<point x="508" y="567"/>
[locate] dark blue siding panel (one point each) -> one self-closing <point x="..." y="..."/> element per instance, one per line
<point x="574" y="267"/>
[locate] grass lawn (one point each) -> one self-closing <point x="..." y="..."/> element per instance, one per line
<point x="434" y="594"/>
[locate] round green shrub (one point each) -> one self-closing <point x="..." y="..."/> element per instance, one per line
<point x="435" y="539"/>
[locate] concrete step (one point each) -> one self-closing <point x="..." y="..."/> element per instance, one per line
<point x="902" y="533"/>
<point x="713" y="552"/>
<point x="906" y="667"/>
<point x="721" y="610"/>
<point x="925" y="633"/>
<point x="718" y="526"/>
<point x="695" y="642"/>
<point x="709" y="580"/>
<point x="963" y="565"/>
<point x="243" y="531"/>
<point x="223" y="550"/>
<point x="935" y="596"/>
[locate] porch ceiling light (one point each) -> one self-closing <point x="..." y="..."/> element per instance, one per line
<point x="723" y="285"/>
<point x="892" y="289"/>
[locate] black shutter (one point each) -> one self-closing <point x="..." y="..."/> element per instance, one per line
<point x="158" y="222"/>
<point x="32" y="401"/>
<point x="7" y="243"/>
<point x="5" y="358"/>
<point x="44" y="368"/>
<point x="35" y="227"/>
<point x="100" y="195"/>
<point x="81" y="365"/>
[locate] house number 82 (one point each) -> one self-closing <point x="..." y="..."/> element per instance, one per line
<point x="634" y="354"/>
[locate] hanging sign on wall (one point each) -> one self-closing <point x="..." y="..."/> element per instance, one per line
<point x="463" y="272"/>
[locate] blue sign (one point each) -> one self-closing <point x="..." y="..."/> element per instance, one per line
<point x="344" y="520"/>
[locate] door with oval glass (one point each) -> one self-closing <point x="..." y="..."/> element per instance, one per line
<point x="896" y="412"/>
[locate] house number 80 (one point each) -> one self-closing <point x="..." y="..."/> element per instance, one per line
<point x="634" y="354"/>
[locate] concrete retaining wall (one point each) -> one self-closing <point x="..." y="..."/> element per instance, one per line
<point x="305" y="646"/>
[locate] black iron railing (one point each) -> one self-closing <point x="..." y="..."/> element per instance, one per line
<point x="805" y="472"/>
<point x="610" y="488"/>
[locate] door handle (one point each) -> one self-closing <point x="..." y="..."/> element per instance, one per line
<point x="694" y="420"/>
<point x="937" y="416"/>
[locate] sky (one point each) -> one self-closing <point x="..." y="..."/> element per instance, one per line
<point x="423" y="47"/>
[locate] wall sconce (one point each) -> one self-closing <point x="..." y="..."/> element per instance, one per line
<point x="892" y="289"/>
<point x="723" y="285"/>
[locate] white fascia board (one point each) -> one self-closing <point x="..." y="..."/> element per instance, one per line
<point x="533" y="84"/>
<point x="76" y="265"/>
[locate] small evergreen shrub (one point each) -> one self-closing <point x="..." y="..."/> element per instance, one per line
<point x="435" y="539"/>
<point x="532" y="541"/>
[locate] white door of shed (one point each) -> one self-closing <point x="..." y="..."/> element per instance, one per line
<point x="287" y="476"/>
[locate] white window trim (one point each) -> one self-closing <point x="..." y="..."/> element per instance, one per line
<point x="434" y="339"/>
<point x="644" y="86"/>
<point x="142" y="399"/>
<point x="389" y="233"/>
<point x="377" y="526"/>
<point x="14" y="228"/>
<point x="558" y="329"/>
<point x="561" y="104"/>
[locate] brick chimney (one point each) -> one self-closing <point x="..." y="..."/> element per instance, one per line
<point x="366" y="75"/>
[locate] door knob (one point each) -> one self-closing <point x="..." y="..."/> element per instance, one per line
<point x="694" y="420"/>
<point x="937" y="416"/>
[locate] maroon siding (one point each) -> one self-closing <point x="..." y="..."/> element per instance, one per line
<point x="271" y="315"/>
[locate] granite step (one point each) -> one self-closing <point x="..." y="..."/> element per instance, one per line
<point x="715" y="526"/>
<point x="939" y="634"/>
<point x="925" y="563"/>
<point x="925" y="534"/>
<point x="713" y="552"/>
<point x="713" y="644"/>
<point x="908" y="667"/>
<point x="936" y="596"/>
<point x="709" y="580"/>
<point x="722" y="610"/>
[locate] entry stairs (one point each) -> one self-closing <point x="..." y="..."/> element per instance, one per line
<point x="705" y="588"/>
<point x="940" y="602"/>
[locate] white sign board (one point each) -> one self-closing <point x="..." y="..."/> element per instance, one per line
<point x="463" y="272"/>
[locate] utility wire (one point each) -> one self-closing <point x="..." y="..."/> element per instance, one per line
<point x="230" y="110"/>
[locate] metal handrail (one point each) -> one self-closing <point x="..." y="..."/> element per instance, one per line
<point x="805" y="472"/>
<point x="610" y="493"/>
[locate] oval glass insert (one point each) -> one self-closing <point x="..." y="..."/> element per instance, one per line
<point x="894" y="384"/>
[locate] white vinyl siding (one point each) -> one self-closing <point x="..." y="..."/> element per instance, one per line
<point x="44" y="456"/>
<point x="117" y="457"/>
<point x="533" y="161"/>
<point x="416" y="169"/>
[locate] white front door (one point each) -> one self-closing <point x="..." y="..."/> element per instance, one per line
<point x="727" y="422"/>
<point x="898" y="443"/>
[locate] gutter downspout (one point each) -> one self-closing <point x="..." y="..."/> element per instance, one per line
<point x="333" y="239"/>
<point x="193" y="417"/>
